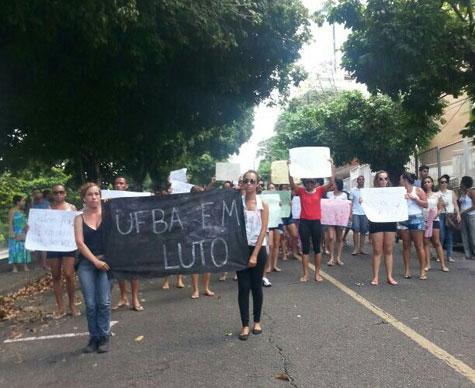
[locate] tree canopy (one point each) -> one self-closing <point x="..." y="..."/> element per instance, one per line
<point x="415" y="51"/>
<point x="375" y="130"/>
<point x="136" y="86"/>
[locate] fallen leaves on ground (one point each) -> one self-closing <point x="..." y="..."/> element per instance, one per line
<point x="283" y="376"/>
<point x="20" y="308"/>
<point x="139" y="338"/>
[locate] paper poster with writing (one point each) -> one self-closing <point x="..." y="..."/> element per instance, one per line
<point x="178" y="175"/>
<point x="273" y="200"/>
<point x="385" y="204"/>
<point x="310" y="162"/>
<point x="228" y="171"/>
<point x="179" y="187"/>
<point x="280" y="172"/>
<point x="335" y="212"/>
<point x="51" y="230"/>
<point x="111" y="194"/>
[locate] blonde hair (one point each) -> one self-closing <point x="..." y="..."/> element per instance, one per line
<point x="85" y="188"/>
<point x="376" y="178"/>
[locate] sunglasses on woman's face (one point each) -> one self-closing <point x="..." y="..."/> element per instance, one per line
<point x="443" y="182"/>
<point x="59" y="192"/>
<point x="251" y="181"/>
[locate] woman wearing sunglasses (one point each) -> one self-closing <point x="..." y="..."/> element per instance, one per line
<point x="310" y="216"/>
<point x="62" y="261"/>
<point x="449" y="208"/>
<point x="382" y="237"/>
<point x="256" y="212"/>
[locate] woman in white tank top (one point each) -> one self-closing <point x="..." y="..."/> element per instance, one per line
<point x="435" y="203"/>
<point x="256" y="214"/>
<point x="413" y="228"/>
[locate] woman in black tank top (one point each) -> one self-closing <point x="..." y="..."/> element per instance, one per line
<point x="93" y="269"/>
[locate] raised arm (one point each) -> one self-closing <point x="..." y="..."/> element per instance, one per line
<point x="331" y="182"/>
<point x="291" y="179"/>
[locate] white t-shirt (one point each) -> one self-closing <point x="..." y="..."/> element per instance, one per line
<point x="296" y="207"/>
<point x="253" y="221"/>
<point x="341" y="197"/>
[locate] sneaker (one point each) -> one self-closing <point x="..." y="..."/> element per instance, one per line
<point x="103" y="345"/>
<point x="91" y="346"/>
<point x="451" y="260"/>
<point x="266" y="282"/>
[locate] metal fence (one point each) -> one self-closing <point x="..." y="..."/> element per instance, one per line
<point x="456" y="160"/>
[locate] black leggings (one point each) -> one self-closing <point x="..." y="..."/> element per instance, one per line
<point x="251" y="279"/>
<point x="310" y="229"/>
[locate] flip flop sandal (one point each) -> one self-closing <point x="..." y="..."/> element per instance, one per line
<point x="138" y="307"/>
<point x="58" y="316"/>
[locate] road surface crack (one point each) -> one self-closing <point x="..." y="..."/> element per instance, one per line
<point x="280" y="351"/>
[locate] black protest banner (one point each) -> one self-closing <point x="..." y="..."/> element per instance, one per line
<point x="178" y="234"/>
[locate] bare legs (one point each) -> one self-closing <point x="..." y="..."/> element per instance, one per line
<point x="383" y="243"/>
<point x="416" y="236"/>
<point x="179" y="282"/>
<point x="335" y="234"/>
<point x="196" y="291"/>
<point x="435" y="240"/>
<point x="362" y="237"/>
<point x="292" y="228"/>
<point x="318" y="260"/>
<point x="274" y="239"/>
<point x="67" y="265"/>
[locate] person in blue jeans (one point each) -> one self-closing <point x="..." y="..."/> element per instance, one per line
<point x="449" y="206"/>
<point x="92" y="271"/>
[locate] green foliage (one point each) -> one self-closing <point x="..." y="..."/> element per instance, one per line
<point x="23" y="183"/>
<point x="375" y="130"/>
<point x="414" y="51"/>
<point x="135" y="86"/>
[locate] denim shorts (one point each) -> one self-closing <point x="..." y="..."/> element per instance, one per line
<point x="287" y="221"/>
<point x="414" y="223"/>
<point x="360" y="223"/>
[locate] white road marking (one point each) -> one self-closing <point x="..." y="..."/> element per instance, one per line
<point x="46" y="337"/>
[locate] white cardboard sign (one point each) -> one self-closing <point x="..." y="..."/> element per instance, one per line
<point x="228" y="171"/>
<point x="385" y="204"/>
<point x="179" y="175"/>
<point x="179" y="187"/>
<point x="51" y="230"/>
<point x="111" y="194"/>
<point x="310" y="162"/>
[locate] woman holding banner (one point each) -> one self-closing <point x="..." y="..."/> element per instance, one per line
<point x="413" y="228"/>
<point x="62" y="261"/>
<point x="310" y="216"/>
<point x="256" y="213"/>
<point x="382" y="237"/>
<point x="435" y="203"/>
<point x="92" y="269"/>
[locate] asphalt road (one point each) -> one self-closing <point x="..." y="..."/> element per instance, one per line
<point x="315" y="333"/>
